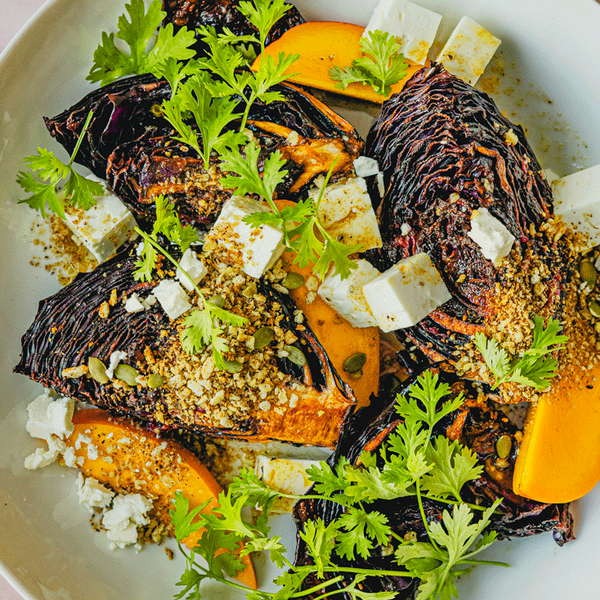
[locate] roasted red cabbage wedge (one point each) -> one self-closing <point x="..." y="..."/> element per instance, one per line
<point x="130" y="145"/>
<point x="478" y="424"/>
<point x="445" y="149"/>
<point x="272" y="396"/>
<point x="223" y="13"/>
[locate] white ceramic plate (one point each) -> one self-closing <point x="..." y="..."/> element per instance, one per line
<point x="547" y="79"/>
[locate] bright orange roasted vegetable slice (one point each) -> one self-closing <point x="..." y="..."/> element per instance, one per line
<point x="133" y="460"/>
<point x="559" y="458"/>
<point x="321" y="46"/>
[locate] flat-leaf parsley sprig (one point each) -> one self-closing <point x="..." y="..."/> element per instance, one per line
<point x="78" y="191"/>
<point x="203" y="326"/>
<point x="535" y="367"/>
<point x="111" y="63"/>
<point x="411" y="463"/>
<point x="380" y="66"/>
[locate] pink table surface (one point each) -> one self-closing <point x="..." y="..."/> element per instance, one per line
<point x="13" y="15"/>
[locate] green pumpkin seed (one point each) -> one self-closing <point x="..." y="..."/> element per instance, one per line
<point x="250" y="290"/>
<point x="588" y="273"/>
<point x="233" y="366"/>
<point x="263" y="337"/>
<point x="217" y="300"/>
<point x="594" y="309"/>
<point x="127" y="374"/>
<point x="292" y="281"/>
<point x="355" y="362"/>
<point x="155" y="380"/>
<point x="503" y="446"/>
<point x="97" y="370"/>
<point x="295" y="355"/>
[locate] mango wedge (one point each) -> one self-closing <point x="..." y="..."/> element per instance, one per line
<point x="321" y="46"/>
<point x="137" y="455"/>
<point x="559" y="458"/>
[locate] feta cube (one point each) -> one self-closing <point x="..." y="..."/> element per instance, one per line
<point x="406" y="293"/>
<point x="103" y="228"/>
<point x="121" y="521"/>
<point x="286" y="475"/>
<point x="172" y="298"/>
<point x="194" y="267"/>
<point x="365" y="166"/>
<point x="414" y="26"/>
<point x="92" y="493"/>
<point x="48" y="417"/>
<point x="576" y="200"/>
<point x="491" y="235"/>
<point x="133" y="304"/>
<point x="253" y="249"/>
<point x="347" y="213"/>
<point x="346" y="296"/>
<point x="468" y="50"/>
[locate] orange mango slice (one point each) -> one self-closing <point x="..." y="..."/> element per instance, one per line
<point x="133" y="460"/>
<point x="559" y="458"/>
<point x="321" y="46"/>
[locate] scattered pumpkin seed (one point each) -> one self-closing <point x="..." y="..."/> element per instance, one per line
<point x="594" y="309"/>
<point x="356" y="374"/>
<point x="410" y="536"/>
<point x="250" y="290"/>
<point x="126" y="373"/>
<point x="355" y="362"/>
<point x="503" y="446"/>
<point x="263" y="337"/>
<point x="217" y="300"/>
<point x="295" y="355"/>
<point x="156" y="380"/>
<point x="97" y="370"/>
<point x="292" y="281"/>
<point x="588" y="273"/>
<point x="233" y="366"/>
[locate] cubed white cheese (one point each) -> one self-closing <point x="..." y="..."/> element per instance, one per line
<point x="406" y="293"/>
<point x="468" y="50"/>
<point x="286" y="475"/>
<point x="414" y="26"/>
<point x="491" y="235"/>
<point x="103" y="228"/>
<point x="577" y="201"/>
<point x="347" y="213"/>
<point x="92" y="493"/>
<point x="194" y="267"/>
<point x="365" y="166"/>
<point x="133" y="304"/>
<point x="40" y="458"/>
<point x="346" y="296"/>
<point x="49" y="416"/>
<point x="127" y="513"/>
<point x="113" y="362"/>
<point x="253" y="249"/>
<point x="172" y="298"/>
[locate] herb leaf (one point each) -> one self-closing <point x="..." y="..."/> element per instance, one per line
<point x="79" y="191"/>
<point x="110" y="63"/>
<point x="381" y="65"/>
<point x="535" y="368"/>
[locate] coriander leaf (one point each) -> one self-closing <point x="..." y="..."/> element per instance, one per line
<point x="271" y="72"/>
<point x="370" y="485"/>
<point x="453" y="466"/>
<point x="360" y="531"/>
<point x="337" y="254"/>
<point x="330" y="482"/>
<point x="230" y="515"/>
<point x="263" y="14"/>
<point x="110" y="63"/>
<point x="249" y="485"/>
<point x="320" y="542"/>
<point x="190" y="581"/>
<point x="184" y="520"/>
<point x="496" y="358"/>
<point x="356" y="592"/>
<point x="220" y="549"/>
<point x="78" y="192"/>
<point x="197" y="331"/>
<point x="381" y="65"/>
<point x="546" y="339"/>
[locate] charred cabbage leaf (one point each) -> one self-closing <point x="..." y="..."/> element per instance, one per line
<point x="273" y="396"/>
<point x="478" y="425"/>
